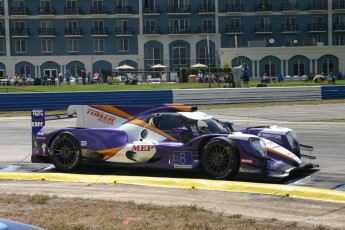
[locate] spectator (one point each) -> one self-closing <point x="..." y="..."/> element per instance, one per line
<point x="88" y="78"/>
<point x="68" y="77"/>
<point x="265" y="78"/>
<point x="245" y="69"/>
<point x="60" y="79"/>
<point x="200" y="77"/>
<point x="16" y="80"/>
<point x="52" y="79"/>
<point x="331" y="78"/>
<point x="83" y="76"/>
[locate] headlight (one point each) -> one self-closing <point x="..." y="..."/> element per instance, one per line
<point x="292" y="138"/>
<point x="258" y="145"/>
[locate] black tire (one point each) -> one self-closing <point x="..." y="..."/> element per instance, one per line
<point x="65" y="152"/>
<point x="220" y="158"/>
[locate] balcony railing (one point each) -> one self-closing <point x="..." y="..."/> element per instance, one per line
<point x="152" y="10"/>
<point x="20" y="11"/>
<point x="124" y="31"/>
<point x="290" y="28"/>
<point x="179" y="9"/>
<point x="318" y="7"/>
<point x="47" y="32"/>
<point x="263" y="29"/>
<point x="99" y="10"/>
<point x="339" y="5"/>
<point x="290" y="7"/>
<point x="96" y="31"/>
<point x="317" y="27"/>
<point x="152" y="30"/>
<point x="74" y="32"/>
<point x="234" y="8"/>
<point x="339" y="27"/>
<point x="25" y="32"/>
<point x="72" y="11"/>
<point x="179" y="30"/>
<point x="206" y="30"/>
<point x="124" y="10"/>
<point x="46" y="11"/>
<point x="206" y="9"/>
<point x="263" y="7"/>
<point x="234" y="29"/>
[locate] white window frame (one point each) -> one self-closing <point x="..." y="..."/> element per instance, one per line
<point x="47" y="45"/>
<point x="123" y="45"/>
<point x="72" y="45"/>
<point x="20" y="46"/>
<point x="98" y="45"/>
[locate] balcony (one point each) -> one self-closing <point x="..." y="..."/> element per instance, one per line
<point x="44" y="32"/>
<point x="22" y="11"/>
<point x="234" y="29"/>
<point x="263" y="7"/>
<point x="179" y="30"/>
<point x="317" y="7"/>
<point x="290" y="7"/>
<point x="317" y="28"/>
<point x="206" y="30"/>
<point x="151" y="30"/>
<point x="124" y="31"/>
<point x="46" y="11"/>
<point x="234" y="8"/>
<point x="2" y="32"/>
<point x="72" y="11"/>
<point x="123" y="10"/>
<point x="152" y="10"/>
<point x="20" y="32"/>
<point x="290" y="28"/>
<point x="73" y="32"/>
<point x="206" y="9"/>
<point x="101" y="32"/>
<point x="179" y="9"/>
<point x="339" y="27"/>
<point x="263" y="29"/>
<point x="339" y="5"/>
<point x="99" y="10"/>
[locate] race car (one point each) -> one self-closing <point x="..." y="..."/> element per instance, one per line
<point x="171" y="136"/>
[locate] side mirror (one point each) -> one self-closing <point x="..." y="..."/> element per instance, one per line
<point x="180" y="130"/>
<point x="229" y="124"/>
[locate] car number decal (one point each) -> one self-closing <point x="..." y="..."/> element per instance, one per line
<point x="183" y="159"/>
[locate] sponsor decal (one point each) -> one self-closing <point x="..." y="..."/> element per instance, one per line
<point x="249" y="170"/>
<point x="247" y="161"/>
<point x="269" y="135"/>
<point x="144" y="134"/>
<point x="102" y="117"/>
<point x="37" y="120"/>
<point x="142" y="148"/>
<point x="83" y="143"/>
<point x="36" y="151"/>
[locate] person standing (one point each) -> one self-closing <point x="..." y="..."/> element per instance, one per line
<point x="83" y="76"/>
<point x="68" y="77"/>
<point x="245" y="69"/>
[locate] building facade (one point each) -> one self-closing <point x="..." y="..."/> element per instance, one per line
<point x="289" y="37"/>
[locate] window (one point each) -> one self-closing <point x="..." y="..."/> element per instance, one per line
<point x="205" y="57"/>
<point x="179" y="53"/>
<point x="18" y="3"/>
<point x="98" y="4"/>
<point x="122" y="23"/>
<point x="327" y="66"/>
<point x="153" y="56"/>
<point x="72" y="45"/>
<point x="98" y="24"/>
<point x="19" y="25"/>
<point x="149" y="4"/>
<point x="263" y="21"/>
<point x="298" y="68"/>
<point x="20" y="46"/>
<point x="72" y="25"/>
<point x="46" y="25"/>
<point x="45" y="3"/>
<point x="270" y="68"/>
<point x="339" y="39"/>
<point x="179" y="3"/>
<point x="98" y="45"/>
<point x="235" y="22"/>
<point x="2" y="46"/>
<point x="71" y="4"/>
<point x="46" y="45"/>
<point x="24" y="70"/>
<point x="123" y="45"/>
<point x="179" y="23"/>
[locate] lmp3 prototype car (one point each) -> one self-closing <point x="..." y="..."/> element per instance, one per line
<point x="171" y="136"/>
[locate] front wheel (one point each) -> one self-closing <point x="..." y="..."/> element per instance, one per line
<point x="220" y="158"/>
<point x="65" y="152"/>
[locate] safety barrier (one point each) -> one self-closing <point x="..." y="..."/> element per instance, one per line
<point x="51" y="101"/>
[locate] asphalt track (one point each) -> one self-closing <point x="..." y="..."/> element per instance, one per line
<point x="308" y="121"/>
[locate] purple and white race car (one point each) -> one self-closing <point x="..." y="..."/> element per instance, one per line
<point x="171" y="136"/>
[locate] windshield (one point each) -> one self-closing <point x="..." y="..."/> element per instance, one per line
<point x="209" y="126"/>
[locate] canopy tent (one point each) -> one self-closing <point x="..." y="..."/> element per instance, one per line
<point x="125" y="67"/>
<point x="199" y="65"/>
<point x="158" y="66"/>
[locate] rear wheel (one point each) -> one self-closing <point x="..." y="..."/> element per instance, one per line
<point x="65" y="152"/>
<point x="220" y="158"/>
